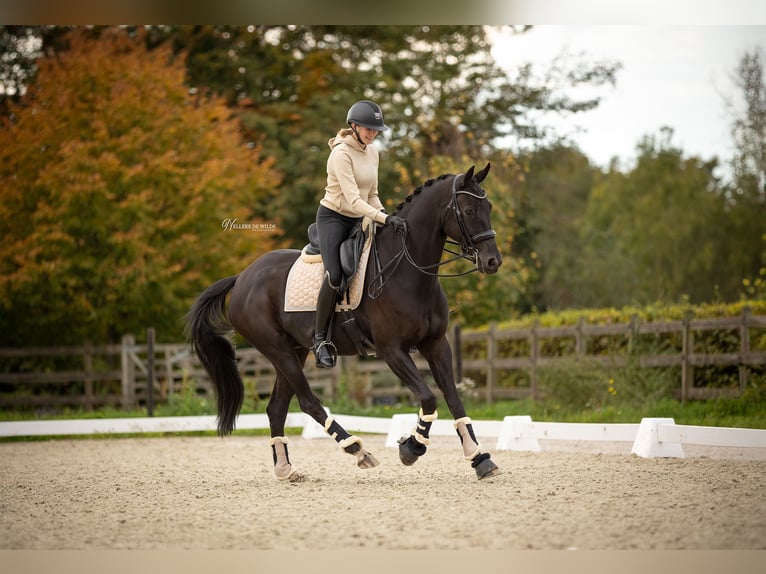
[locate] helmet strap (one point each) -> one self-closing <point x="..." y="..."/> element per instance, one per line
<point x="356" y="134"/>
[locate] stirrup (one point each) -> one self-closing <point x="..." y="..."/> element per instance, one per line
<point x="325" y="354"/>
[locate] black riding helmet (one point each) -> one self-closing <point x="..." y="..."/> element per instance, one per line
<point x="367" y="114"/>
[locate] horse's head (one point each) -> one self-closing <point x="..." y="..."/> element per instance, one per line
<point x="471" y="226"/>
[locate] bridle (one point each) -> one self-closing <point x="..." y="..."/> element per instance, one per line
<point x="468" y="249"/>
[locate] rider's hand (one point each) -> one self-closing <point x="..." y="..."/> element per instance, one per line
<point x="397" y="222"/>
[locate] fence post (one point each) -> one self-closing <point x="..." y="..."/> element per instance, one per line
<point x="534" y="352"/>
<point x="687" y="350"/>
<point x="744" y="348"/>
<point x="87" y="360"/>
<point x="632" y="333"/>
<point x="150" y="371"/>
<point x="128" y="372"/>
<point x="580" y="345"/>
<point x="491" y="354"/>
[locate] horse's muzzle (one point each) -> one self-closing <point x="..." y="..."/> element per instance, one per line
<point x="491" y="264"/>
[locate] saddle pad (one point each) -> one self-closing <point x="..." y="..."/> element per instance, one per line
<point x="305" y="279"/>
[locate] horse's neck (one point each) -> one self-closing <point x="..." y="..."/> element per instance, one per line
<point x="425" y="238"/>
<point x="425" y="242"/>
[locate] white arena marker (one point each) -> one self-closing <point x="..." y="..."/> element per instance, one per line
<point x="512" y="437"/>
<point x="648" y="443"/>
<point x="312" y="429"/>
<point x="401" y="425"/>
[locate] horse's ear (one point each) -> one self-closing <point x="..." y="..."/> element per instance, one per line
<point x="468" y="176"/>
<point x="482" y="174"/>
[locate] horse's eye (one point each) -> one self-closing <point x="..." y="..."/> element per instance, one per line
<point x="470" y="211"/>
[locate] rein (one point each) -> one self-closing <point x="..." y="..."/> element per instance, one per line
<point x="468" y="249"/>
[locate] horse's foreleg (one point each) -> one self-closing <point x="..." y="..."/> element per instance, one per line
<point x="439" y="357"/>
<point x="415" y="445"/>
<point x="474" y="453"/>
<point x="277" y="413"/>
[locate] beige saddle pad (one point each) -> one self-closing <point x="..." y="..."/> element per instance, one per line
<point x="306" y="275"/>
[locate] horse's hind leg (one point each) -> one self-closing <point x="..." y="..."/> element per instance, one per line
<point x="276" y="410"/>
<point x="290" y="369"/>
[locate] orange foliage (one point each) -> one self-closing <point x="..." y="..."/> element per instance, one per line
<point x="114" y="183"/>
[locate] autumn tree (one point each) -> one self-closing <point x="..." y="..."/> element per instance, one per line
<point x="114" y="183"/>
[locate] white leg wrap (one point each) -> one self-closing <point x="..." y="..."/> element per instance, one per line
<point x="419" y="429"/>
<point x="349" y="441"/>
<point x="327" y="425"/>
<point x="471" y="448"/>
<point x="283" y="470"/>
<point x="420" y="438"/>
<point x="428" y="418"/>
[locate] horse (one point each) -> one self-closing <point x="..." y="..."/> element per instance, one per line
<point x="405" y="308"/>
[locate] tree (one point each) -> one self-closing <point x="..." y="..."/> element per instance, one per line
<point x="441" y="91"/>
<point x="747" y="193"/>
<point x="652" y="235"/>
<point x="114" y="183"/>
<point x="554" y="197"/>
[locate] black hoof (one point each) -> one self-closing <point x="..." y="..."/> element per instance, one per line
<point x="486" y="468"/>
<point x="410" y="450"/>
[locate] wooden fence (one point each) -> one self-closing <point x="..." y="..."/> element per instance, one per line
<point x="682" y="345"/>
<point x="503" y="363"/>
<point x="119" y="375"/>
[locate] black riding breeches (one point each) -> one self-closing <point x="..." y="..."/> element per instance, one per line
<point x="333" y="229"/>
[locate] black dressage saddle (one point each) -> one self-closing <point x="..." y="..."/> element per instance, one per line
<point x="350" y="249"/>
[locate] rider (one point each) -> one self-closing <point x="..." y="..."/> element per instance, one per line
<point x="351" y="193"/>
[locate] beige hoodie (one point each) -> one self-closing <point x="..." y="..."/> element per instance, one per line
<point x="352" y="178"/>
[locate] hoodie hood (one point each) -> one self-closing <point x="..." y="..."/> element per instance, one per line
<point x="345" y="136"/>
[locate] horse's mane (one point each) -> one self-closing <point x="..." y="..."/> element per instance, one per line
<point x="416" y="192"/>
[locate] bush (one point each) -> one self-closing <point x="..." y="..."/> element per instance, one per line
<point x="578" y="383"/>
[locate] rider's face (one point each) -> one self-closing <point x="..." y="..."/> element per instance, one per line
<point x="366" y="134"/>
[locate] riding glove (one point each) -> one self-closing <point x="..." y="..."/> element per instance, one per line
<point x="397" y="222"/>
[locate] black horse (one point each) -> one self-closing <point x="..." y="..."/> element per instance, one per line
<point x="405" y="308"/>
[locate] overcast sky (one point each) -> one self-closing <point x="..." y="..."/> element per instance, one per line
<point x="677" y="76"/>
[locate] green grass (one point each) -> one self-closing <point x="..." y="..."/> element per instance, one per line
<point x="748" y="411"/>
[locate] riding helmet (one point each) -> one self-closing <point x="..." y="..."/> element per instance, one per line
<point x="367" y="114"/>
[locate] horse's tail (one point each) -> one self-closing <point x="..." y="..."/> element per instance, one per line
<point x="207" y="327"/>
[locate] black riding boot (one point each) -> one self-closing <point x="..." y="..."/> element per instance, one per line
<point x="326" y="301"/>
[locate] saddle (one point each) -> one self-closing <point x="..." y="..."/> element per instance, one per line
<point x="350" y="250"/>
<point x="306" y="274"/>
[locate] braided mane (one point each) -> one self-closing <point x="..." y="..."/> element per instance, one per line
<point x="417" y="191"/>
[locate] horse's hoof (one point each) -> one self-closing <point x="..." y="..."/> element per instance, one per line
<point x="294" y="476"/>
<point x="367" y="460"/>
<point x="410" y="450"/>
<point x="486" y="469"/>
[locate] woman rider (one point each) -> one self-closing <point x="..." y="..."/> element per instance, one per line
<point x="351" y="193"/>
